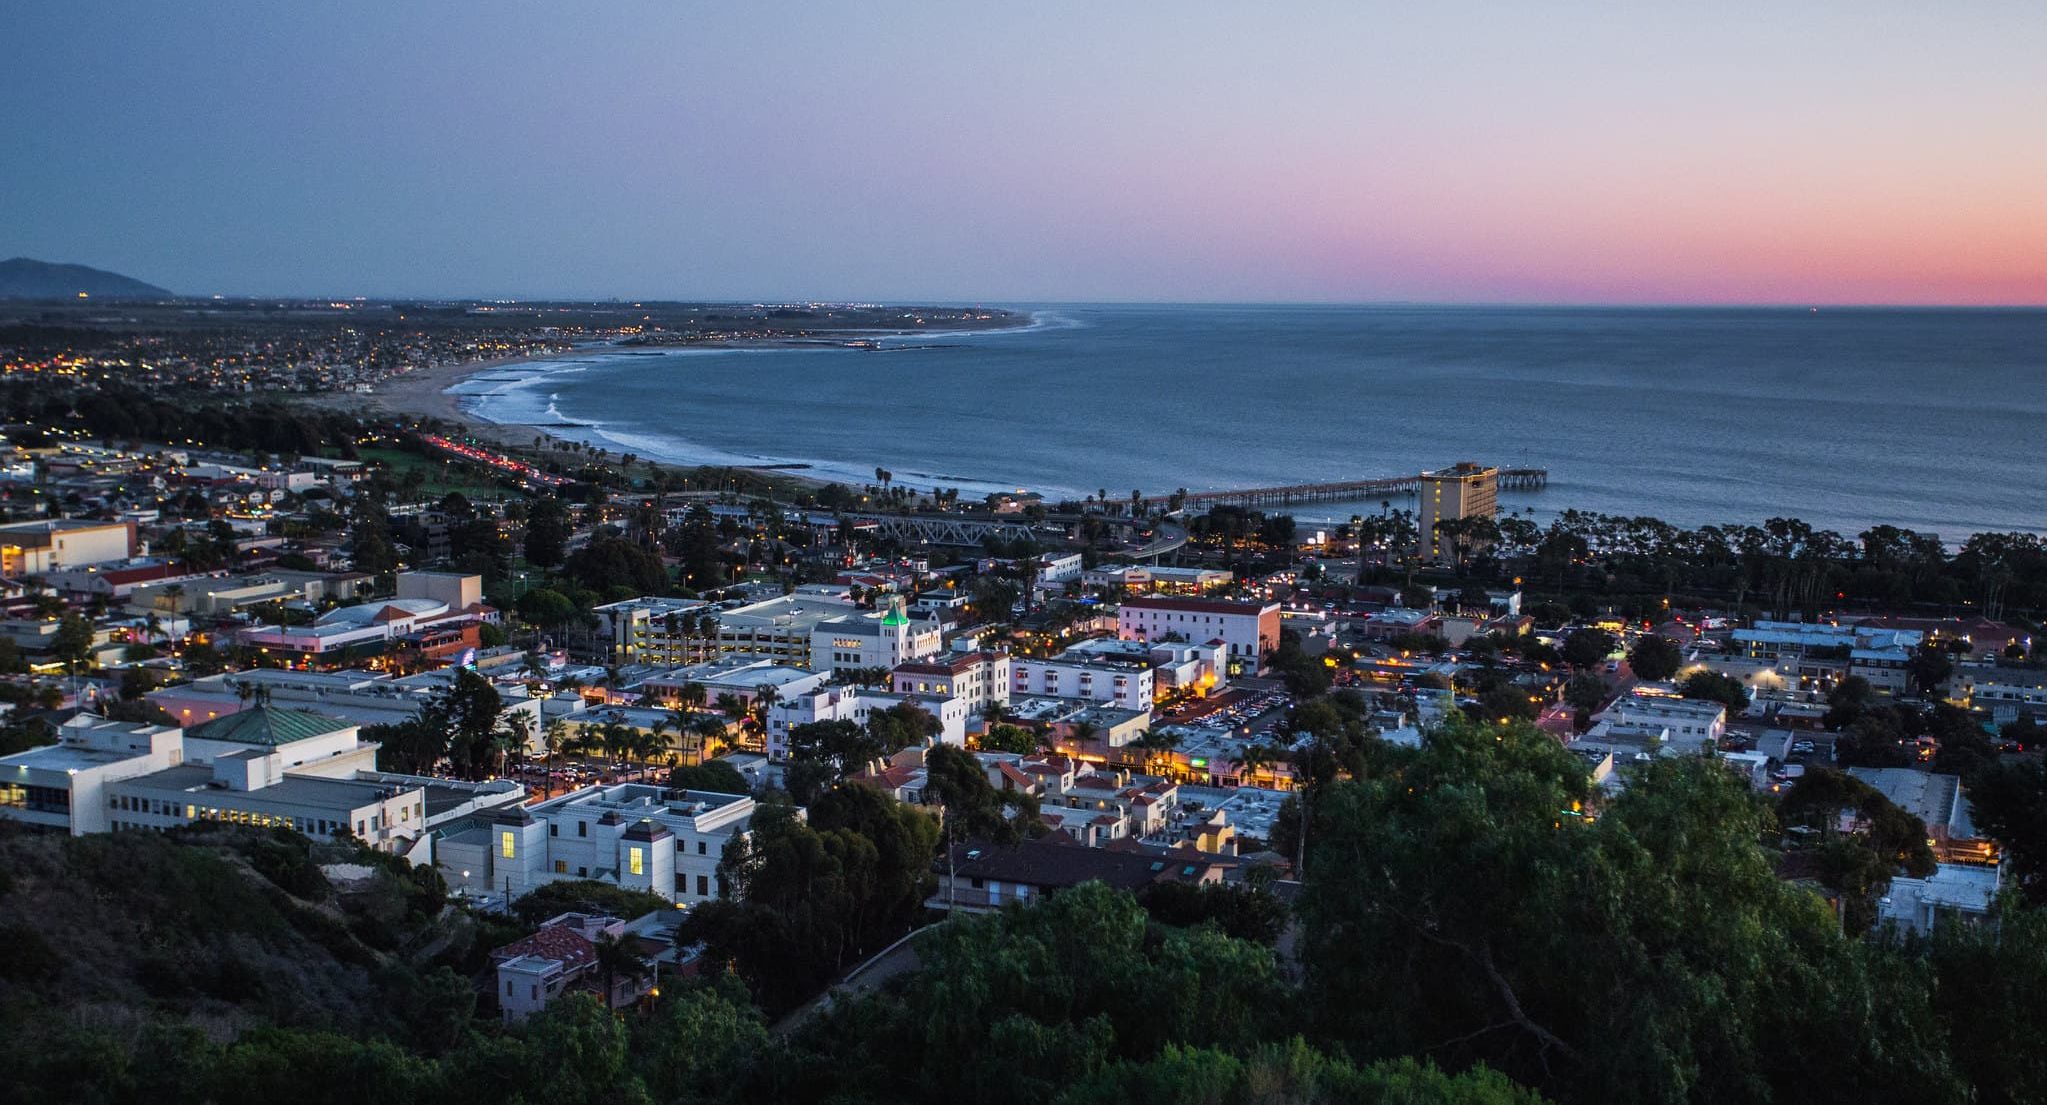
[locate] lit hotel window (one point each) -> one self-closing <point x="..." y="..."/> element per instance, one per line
<point x="636" y="861"/>
<point x="505" y="844"/>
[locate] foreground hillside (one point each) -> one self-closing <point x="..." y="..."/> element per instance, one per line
<point x="122" y="945"/>
<point x="1475" y="926"/>
<point x="224" y="966"/>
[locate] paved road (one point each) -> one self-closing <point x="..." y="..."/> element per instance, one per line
<point x="899" y="958"/>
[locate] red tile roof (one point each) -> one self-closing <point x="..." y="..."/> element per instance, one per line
<point x="565" y="945"/>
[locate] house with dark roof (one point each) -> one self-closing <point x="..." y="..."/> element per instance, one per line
<point x="981" y="878"/>
<point x="563" y="955"/>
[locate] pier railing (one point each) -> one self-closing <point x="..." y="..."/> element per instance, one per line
<point x="1343" y="491"/>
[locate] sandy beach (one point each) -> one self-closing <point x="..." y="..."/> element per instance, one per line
<point x="424" y="394"/>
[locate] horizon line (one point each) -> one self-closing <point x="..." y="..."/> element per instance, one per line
<point x="1023" y="302"/>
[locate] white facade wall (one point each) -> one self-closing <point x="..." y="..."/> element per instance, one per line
<point x="91" y="756"/>
<point x="586" y="835"/>
<point x="1240" y="632"/>
<point x="986" y="679"/>
<point x="1125" y="686"/>
<point x="1688" y="720"/>
<point x="863" y="643"/>
<point x="2007" y="700"/>
<point x="1057" y="570"/>
<point x="857" y="704"/>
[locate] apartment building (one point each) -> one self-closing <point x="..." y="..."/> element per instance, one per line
<point x="633" y="835"/>
<point x="1818" y="653"/>
<point x="1463" y="490"/>
<point x="1115" y="680"/>
<point x="1248" y="631"/>
<point x="975" y="678"/>
<point x="857" y="705"/>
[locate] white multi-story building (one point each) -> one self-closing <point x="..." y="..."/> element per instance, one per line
<point x="632" y="835"/>
<point x="2007" y="698"/>
<point x="871" y="641"/>
<point x="1688" y="721"/>
<point x="45" y="545"/>
<point x="823" y="632"/>
<point x="1818" y="651"/>
<point x="1176" y="665"/>
<point x="857" y="704"/>
<point x="1125" y="683"/>
<point x="1059" y="569"/>
<point x="265" y="766"/>
<point x="976" y="678"/>
<point x="64" y="785"/>
<point x="1249" y="631"/>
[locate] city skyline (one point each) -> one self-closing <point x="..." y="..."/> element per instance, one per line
<point x="1337" y="154"/>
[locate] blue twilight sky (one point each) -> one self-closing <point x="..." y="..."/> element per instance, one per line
<point x="1865" y="151"/>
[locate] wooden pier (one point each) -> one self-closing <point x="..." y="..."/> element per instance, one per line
<point x="1342" y="491"/>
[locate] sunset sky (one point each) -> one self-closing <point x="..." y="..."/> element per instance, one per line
<point x="1862" y="152"/>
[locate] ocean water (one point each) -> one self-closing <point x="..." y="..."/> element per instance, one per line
<point x="1934" y="419"/>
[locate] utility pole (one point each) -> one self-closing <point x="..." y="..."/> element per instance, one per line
<point x="952" y="862"/>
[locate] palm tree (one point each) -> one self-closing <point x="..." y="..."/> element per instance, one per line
<point x="1256" y="757"/>
<point x="1082" y="732"/>
<point x="1157" y="743"/>
<point x="692" y="695"/>
<point x="680" y="720"/>
<point x="610" y="738"/>
<point x="764" y="697"/>
<point x="707" y="729"/>
<point x="657" y="740"/>
<point x="648" y="744"/>
<point x="554" y="739"/>
<point x="508" y="739"/>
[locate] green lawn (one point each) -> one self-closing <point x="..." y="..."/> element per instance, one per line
<point x="442" y="477"/>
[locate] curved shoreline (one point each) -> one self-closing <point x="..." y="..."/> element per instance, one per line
<point x="429" y="392"/>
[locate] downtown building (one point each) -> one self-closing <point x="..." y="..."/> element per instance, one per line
<point x="1463" y="490"/>
<point x="978" y="679"/>
<point x="1248" y="631"/>
<point x="266" y="767"/>
<point x="631" y="835"/>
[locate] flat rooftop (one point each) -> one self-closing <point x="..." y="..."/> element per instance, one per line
<point x="294" y="790"/>
<point x="640" y="800"/>
<point x="64" y="757"/>
<point x="786" y="612"/>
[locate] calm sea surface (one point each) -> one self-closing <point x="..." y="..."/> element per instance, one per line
<point x="1932" y="419"/>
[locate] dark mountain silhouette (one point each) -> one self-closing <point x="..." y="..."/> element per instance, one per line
<point x="25" y="278"/>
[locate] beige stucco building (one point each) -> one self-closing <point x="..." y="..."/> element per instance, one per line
<point x="1463" y="490"/>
